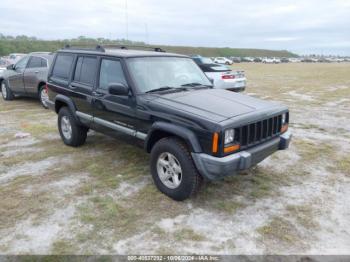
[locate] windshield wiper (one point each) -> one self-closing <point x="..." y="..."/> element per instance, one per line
<point x="195" y="84"/>
<point x="160" y="89"/>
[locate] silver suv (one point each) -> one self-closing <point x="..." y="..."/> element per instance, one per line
<point x="27" y="77"/>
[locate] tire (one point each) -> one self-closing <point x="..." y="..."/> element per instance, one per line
<point x="6" y="91"/>
<point x="190" y="179"/>
<point x="43" y="97"/>
<point x="71" y="132"/>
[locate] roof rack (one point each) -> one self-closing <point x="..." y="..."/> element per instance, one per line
<point x="102" y="48"/>
<point x="84" y="47"/>
<point x="135" y="47"/>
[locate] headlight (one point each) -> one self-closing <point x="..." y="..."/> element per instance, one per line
<point x="284" y="118"/>
<point x="229" y="136"/>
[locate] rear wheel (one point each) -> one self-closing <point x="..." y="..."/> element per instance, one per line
<point x="173" y="170"/>
<point x="71" y="132"/>
<point x="6" y="92"/>
<point x="43" y="96"/>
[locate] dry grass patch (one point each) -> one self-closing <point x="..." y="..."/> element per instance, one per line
<point x="280" y="234"/>
<point x="188" y="234"/>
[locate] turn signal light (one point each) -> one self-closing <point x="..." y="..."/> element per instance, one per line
<point x="231" y="148"/>
<point x="284" y="128"/>
<point x="215" y="146"/>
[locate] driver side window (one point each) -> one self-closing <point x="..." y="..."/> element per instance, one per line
<point x="111" y="72"/>
<point x="21" y="64"/>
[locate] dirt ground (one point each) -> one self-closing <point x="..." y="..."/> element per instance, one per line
<point x="100" y="199"/>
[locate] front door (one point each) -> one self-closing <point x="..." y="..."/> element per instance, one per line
<point x="113" y="114"/>
<point x="16" y="78"/>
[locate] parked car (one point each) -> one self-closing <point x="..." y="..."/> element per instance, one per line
<point x="271" y="60"/>
<point x="257" y="60"/>
<point x="294" y="60"/>
<point x="236" y="59"/>
<point x="14" y="58"/>
<point x="221" y="75"/>
<point x="284" y="60"/>
<point x="223" y="61"/>
<point x="27" y="77"/>
<point x="248" y="59"/>
<point x="191" y="130"/>
<point x="3" y="65"/>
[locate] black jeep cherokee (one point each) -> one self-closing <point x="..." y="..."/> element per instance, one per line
<point x="191" y="130"/>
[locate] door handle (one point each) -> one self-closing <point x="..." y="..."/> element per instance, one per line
<point x="97" y="94"/>
<point x="36" y="72"/>
<point x="72" y="86"/>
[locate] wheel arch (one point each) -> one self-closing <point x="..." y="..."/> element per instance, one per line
<point x="160" y="130"/>
<point x="61" y="100"/>
<point x="40" y="84"/>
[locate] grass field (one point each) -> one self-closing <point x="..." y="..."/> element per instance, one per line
<point x="100" y="199"/>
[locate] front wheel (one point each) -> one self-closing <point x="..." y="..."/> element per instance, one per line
<point x="6" y="91"/>
<point x="71" y="132"/>
<point x="173" y="170"/>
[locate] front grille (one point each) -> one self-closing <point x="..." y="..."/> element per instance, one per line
<point x="258" y="132"/>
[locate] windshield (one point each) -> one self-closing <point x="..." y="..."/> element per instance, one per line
<point x="206" y="60"/>
<point x="151" y="73"/>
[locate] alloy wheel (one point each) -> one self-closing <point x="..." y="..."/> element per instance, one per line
<point x="169" y="170"/>
<point x="66" y="127"/>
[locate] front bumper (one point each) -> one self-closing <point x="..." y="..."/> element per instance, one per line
<point x="213" y="168"/>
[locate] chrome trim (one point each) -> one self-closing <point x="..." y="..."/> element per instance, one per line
<point x="116" y="127"/>
<point x="141" y="135"/>
<point x="84" y="116"/>
<point x="113" y="126"/>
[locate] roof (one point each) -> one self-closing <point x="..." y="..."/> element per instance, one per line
<point x="120" y="52"/>
<point x="44" y="54"/>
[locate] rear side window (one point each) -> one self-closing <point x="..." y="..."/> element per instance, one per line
<point x="62" y="66"/>
<point x="35" y="62"/>
<point x="111" y="72"/>
<point x="85" y="70"/>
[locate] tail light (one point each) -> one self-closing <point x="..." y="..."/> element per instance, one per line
<point x="228" y="76"/>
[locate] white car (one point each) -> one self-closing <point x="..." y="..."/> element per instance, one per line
<point x="221" y="75"/>
<point x="271" y="60"/>
<point x="223" y="60"/>
<point x="3" y="65"/>
<point x="294" y="60"/>
<point x="14" y="58"/>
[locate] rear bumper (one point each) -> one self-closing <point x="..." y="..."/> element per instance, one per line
<point x="213" y="168"/>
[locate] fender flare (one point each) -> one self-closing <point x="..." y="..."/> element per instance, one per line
<point x="182" y="132"/>
<point x="69" y="102"/>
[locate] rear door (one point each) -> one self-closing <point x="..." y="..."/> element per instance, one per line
<point x="16" y="78"/>
<point x="111" y="112"/>
<point x="82" y="84"/>
<point x="36" y="67"/>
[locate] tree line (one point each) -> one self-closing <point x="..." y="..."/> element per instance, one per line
<point x="26" y="44"/>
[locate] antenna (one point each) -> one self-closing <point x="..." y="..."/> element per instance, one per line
<point x="126" y="20"/>
<point x="146" y="31"/>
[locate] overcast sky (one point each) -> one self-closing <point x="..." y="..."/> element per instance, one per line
<point x="309" y="26"/>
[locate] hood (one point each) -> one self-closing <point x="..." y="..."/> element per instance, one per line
<point x="213" y="104"/>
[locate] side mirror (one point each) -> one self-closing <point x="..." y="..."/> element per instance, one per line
<point x="211" y="80"/>
<point x="118" y="89"/>
<point x="10" y="67"/>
